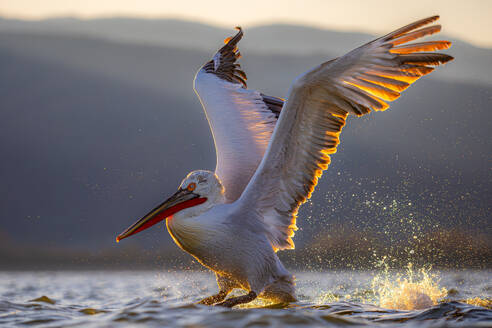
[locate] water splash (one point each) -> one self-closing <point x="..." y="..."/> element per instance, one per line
<point x="411" y="290"/>
<point x="478" y="301"/>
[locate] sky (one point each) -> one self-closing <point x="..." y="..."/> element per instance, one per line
<point x="468" y="20"/>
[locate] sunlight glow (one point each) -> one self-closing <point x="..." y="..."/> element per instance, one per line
<point x="467" y="20"/>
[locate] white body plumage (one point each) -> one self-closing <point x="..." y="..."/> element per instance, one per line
<point x="230" y="243"/>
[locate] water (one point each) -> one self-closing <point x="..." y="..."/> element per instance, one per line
<point x="164" y="299"/>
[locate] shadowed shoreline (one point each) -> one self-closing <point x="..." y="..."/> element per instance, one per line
<point x="345" y="250"/>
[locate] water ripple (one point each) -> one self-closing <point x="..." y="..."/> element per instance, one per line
<point x="102" y="299"/>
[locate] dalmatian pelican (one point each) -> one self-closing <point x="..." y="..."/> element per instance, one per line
<point x="271" y="152"/>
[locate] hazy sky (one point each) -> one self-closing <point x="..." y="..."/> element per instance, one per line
<point x="470" y="20"/>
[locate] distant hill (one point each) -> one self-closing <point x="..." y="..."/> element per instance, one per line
<point x="475" y="64"/>
<point x="95" y="133"/>
<point x="187" y="34"/>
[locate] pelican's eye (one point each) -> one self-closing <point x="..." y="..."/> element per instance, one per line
<point x="191" y="186"/>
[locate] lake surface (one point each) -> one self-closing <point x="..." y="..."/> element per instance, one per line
<point x="165" y="299"/>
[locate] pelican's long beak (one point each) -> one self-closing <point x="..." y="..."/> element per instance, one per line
<point x="182" y="199"/>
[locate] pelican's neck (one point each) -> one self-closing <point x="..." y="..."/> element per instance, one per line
<point x="200" y="209"/>
<point x="191" y="228"/>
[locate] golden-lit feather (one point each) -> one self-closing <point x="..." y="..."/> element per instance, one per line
<point x="392" y="84"/>
<point x="410" y="27"/>
<point x="422" y="46"/>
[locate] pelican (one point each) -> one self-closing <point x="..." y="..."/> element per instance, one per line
<point x="271" y="152"/>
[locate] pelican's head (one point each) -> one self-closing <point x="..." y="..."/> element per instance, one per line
<point x="198" y="192"/>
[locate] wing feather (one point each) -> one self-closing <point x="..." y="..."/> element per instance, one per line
<point x="311" y="121"/>
<point x="241" y="120"/>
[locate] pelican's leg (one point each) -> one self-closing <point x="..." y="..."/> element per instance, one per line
<point x="225" y="287"/>
<point x="214" y="298"/>
<point x="238" y="300"/>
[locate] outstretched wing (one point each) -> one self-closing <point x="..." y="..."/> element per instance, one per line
<point x="319" y="101"/>
<point x="241" y="120"/>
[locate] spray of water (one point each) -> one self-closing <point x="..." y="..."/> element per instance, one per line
<point x="410" y="290"/>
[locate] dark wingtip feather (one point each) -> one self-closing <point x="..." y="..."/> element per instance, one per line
<point x="425" y="59"/>
<point x="274" y="104"/>
<point x="233" y="40"/>
<point x="227" y="68"/>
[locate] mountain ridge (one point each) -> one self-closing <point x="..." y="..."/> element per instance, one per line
<point x="475" y="63"/>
